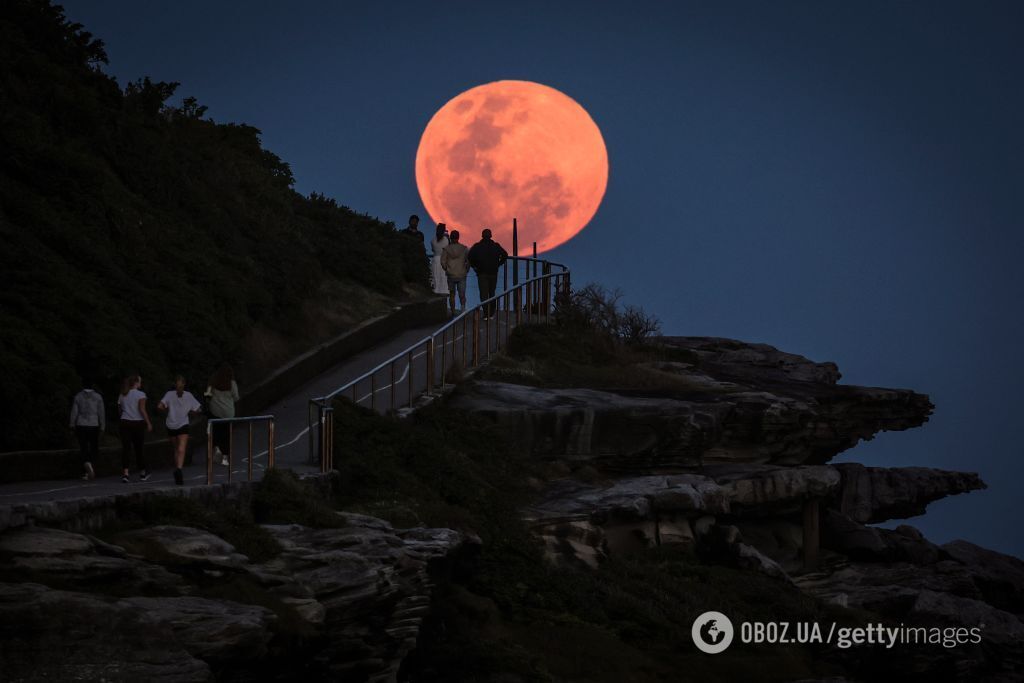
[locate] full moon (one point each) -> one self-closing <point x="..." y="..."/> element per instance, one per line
<point x="512" y="149"/>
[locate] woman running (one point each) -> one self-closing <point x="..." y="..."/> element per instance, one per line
<point x="180" y="406"/>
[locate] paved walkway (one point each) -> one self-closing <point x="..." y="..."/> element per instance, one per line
<point x="290" y="413"/>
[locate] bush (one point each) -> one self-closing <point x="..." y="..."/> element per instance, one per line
<point x="598" y="310"/>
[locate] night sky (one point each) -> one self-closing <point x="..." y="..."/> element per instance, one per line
<point x="842" y="181"/>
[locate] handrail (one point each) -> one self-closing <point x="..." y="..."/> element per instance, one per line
<point x="535" y="292"/>
<point x="251" y="420"/>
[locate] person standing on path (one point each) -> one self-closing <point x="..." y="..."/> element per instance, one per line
<point x="486" y="256"/>
<point x="131" y="406"/>
<point x="437" y="274"/>
<point x="456" y="266"/>
<point x="180" y="406"/>
<point x="88" y="420"/>
<point x="413" y="230"/>
<point x="222" y="392"/>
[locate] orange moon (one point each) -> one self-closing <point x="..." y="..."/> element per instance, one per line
<point x="512" y="149"/>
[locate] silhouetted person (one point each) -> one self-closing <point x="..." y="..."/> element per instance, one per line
<point x="413" y="230"/>
<point x="88" y="420"/>
<point x="222" y="392"/>
<point x="455" y="262"/>
<point x="486" y="256"/>
<point x="131" y="406"/>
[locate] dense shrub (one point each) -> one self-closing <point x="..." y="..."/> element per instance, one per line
<point x="142" y="237"/>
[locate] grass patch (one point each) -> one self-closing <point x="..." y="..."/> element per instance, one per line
<point x="282" y="498"/>
<point x="551" y="355"/>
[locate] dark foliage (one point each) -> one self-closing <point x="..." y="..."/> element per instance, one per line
<point x="141" y="237"/>
<point x="596" y="310"/>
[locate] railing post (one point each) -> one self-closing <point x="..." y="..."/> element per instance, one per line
<point x="250" y="451"/>
<point x="373" y="391"/>
<point x="430" y="366"/>
<point x="508" y="332"/>
<point x="444" y="357"/>
<point x="209" y="452"/>
<point x="519" y="306"/>
<point x="329" y="414"/>
<point x="476" y="337"/>
<point x="323" y="437"/>
<point x="465" y="341"/>
<point x="410" y="379"/>
<point x="270" y="444"/>
<point x="547" y="290"/>
<point x="231" y="447"/>
<point x="392" y="386"/>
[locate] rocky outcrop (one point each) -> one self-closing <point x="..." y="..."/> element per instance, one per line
<point x="748" y="404"/>
<point x="58" y="635"/>
<point x="145" y="608"/>
<point x="367" y="584"/>
<point x="74" y="561"/>
<point x="876" y="494"/>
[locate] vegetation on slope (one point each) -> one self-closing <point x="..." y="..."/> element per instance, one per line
<point x="143" y="237"/>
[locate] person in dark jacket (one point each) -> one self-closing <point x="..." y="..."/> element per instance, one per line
<point x="486" y="256"/>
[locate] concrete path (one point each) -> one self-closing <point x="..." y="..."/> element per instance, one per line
<point x="292" y="448"/>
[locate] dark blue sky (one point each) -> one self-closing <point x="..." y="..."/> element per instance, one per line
<point x="839" y="180"/>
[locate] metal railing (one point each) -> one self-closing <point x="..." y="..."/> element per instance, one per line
<point x="531" y="299"/>
<point x="231" y="421"/>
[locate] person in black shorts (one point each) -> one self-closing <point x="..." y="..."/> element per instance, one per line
<point x="180" y="406"/>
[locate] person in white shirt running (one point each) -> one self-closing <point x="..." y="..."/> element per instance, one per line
<point x="180" y="406"/>
<point x="131" y="406"/>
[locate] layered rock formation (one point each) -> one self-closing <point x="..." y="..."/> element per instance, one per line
<point x="728" y="457"/>
<point x="735" y="402"/>
<point x="180" y="604"/>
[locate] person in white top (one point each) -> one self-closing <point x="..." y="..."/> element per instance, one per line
<point x="180" y="406"/>
<point x="131" y="406"/>
<point x="437" y="274"/>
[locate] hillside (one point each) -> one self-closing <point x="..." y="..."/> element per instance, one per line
<point x="143" y="237"/>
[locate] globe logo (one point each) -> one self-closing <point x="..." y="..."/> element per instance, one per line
<point x="712" y="632"/>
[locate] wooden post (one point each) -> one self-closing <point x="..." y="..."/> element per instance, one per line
<point x="812" y="532"/>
